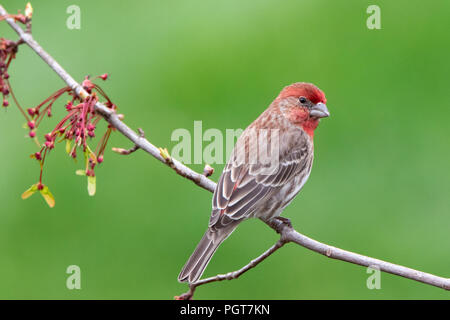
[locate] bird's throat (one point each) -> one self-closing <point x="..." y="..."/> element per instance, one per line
<point x="309" y="126"/>
<point x="300" y="118"/>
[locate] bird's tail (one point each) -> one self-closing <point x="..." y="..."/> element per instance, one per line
<point x="194" y="267"/>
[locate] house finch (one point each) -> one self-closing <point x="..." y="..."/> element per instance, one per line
<point x="255" y="184"/>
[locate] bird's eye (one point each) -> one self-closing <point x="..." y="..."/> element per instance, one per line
<point x="302" y="100"/>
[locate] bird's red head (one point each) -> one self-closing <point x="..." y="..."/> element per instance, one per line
<point x="303" y="104"/>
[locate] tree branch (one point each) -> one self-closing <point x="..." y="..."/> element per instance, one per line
<point x="287" y="233"/>
<point x="107" y="113"/>
<point x="234" y="274"/>
<point x="291" y="235"/>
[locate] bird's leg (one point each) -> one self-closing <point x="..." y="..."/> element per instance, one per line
<point x="279" y="225"/>
<point x="286" y="221"/>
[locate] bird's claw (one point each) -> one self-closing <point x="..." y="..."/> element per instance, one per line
<point x="285" y="223"/>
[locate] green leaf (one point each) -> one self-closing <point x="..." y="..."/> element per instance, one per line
<point x="91" y="185"/>
<point x="68" y="146"/>
<point x="29" y="192"/>
<point x="48" y="197"/>
<point x="80" y="172"/>
<point x="89" y="154"/>
<point x="165" y="154"/>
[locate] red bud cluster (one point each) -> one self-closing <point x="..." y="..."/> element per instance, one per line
<point x="8" y="50"/>
<point x="76" y="128"/>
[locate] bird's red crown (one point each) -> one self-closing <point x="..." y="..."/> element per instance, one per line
<point x="303" y="89"/>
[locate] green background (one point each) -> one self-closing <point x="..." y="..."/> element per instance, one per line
<point x="381" y="179"/>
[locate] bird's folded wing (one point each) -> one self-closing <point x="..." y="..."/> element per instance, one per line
<point x="241" y="187"/>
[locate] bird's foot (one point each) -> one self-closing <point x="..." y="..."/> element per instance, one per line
<point x="286" y="221"/>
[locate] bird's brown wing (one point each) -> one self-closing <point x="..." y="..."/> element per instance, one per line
<point x="241" y="187"/>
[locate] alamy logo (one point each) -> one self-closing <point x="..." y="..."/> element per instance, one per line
<point x="374" y="20"/>
<point x="74" y="280"/>
<point x="74" y="20"/>
<point x="374" y="281"/>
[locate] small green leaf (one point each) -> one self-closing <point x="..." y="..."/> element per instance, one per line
<point x="165" y="154"/>
<point x="91" y="185"/>
<point x="29" y="192"/>
<point x="68" y="146"/>
<point x="48" y="197"/>
<point x="80" y="172"/>
<point x="90" y="153"/>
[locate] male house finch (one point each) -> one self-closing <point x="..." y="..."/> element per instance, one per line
<point x="249" y="188"/>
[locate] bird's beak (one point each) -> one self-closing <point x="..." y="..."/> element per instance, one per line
<point x="319" y="110"/>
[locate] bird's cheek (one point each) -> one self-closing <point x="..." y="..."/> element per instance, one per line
<point x="298" y="115"/>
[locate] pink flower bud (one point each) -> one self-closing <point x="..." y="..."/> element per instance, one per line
<point x="31" y="111"/>
<point x="49" y="144"/>
<point x="90" y="127"/>
<point x="32" y="134"/>
<point x="38" y="156"/>
<point x="104" y="76"/>
<point x="48" y="137"/>
<point x="5" y="103"/>
<point x="40" y="186"/>
<point x="31" y="124"/>
<point x="21" y="18"/>
<point x="100" y="159"/>
<point x="91" y="134"/>
<point x="6" y="76"/>
<point x="87" y="85"/>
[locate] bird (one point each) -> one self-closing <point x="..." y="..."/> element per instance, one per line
<point x="256" y="183"/>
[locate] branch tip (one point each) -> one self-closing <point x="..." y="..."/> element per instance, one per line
<point x="208" y="171"/>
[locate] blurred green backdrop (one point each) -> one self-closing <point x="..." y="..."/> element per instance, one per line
<point x="380" y="184"/>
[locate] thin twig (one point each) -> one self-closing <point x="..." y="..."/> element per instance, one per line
<point x="288" y="234"/>
<point x="234" y="274"/>
<point x="126" y="152"/>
